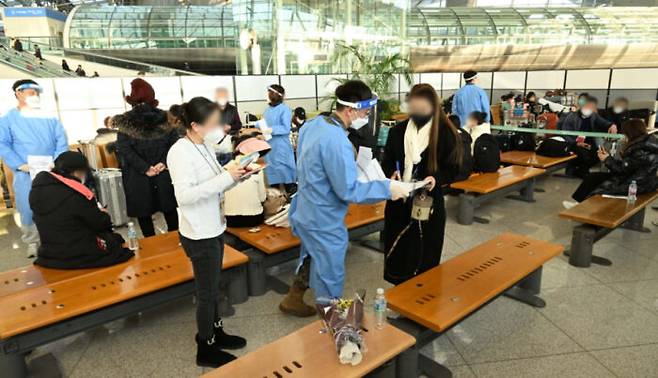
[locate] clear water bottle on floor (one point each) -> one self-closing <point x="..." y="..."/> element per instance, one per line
<point x="133" y="243"/>
<point x="632" y="192"/>
<point x="380" y="309"/>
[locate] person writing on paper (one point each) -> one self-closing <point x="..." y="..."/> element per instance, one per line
<point x="327" y="185"/>
<point x="281" y="160"/>
<point x="27" y="131"/>
<point x="425" y="147"/>
<point x="638" y="162"/>
<point x="75" y="231"/>
<point x="200" y="183"/>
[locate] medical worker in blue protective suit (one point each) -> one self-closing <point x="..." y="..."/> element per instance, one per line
<point x="470" y="98"/>
<point x="328" y="183"/>
<point x="25" y="131"/>
<point x="281" y="159"/>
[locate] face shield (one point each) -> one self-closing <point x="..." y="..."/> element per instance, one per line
<point x="366" y="113"/>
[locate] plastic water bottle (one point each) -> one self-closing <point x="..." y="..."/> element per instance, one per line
<point x="380" y="308"/>
<point x="133" y="243"/>
<point x="632" y="192"/>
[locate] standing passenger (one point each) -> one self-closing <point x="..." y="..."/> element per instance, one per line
<point x="425" y="146"/>
<point x="25" y="131"/>
<point x="200" y="183"/>
<point x="143" y="141"/>
<point x="327" y="185"/>
<point x="470" y="98"/>
<point x="281" y="160"/>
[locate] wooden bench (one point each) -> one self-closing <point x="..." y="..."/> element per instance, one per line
<point x="272" y="246"/>
<point x="310" y="352"/>
<point x="598" y="217"/>
<point x="531" y="159"/>
<point x="480" y="188"/>
<point x="68" y="303"/>
<point x="433" y="302"/>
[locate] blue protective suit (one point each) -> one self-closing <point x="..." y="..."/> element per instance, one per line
<point x="327" y="184"/>
<point x="22" y="135"/>
<point x="468" y="99"/>
<point x="281" y="159"/>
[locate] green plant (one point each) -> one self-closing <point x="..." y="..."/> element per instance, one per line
<point x="378" y="72"/>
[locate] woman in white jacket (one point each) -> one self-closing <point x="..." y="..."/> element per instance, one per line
<point x="199" y="185"/>
<point x="477" y="125"/>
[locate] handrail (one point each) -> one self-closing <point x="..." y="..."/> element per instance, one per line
<point x="557" y="132"/>
<point x="129" y="64"/>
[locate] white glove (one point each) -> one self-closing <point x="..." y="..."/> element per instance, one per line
<point x="398" y="190"/>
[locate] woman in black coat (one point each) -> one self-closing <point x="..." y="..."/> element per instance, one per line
<point x="427" y="145"/>
<point x="75" y="233"/>
<point x="144" y="139"/>
<point x="638" y="162"/>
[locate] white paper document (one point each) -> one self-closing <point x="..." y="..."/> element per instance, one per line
<point x="367" y="167"/>
<point x="261" y="124"/>
<point x="39" y="163"/>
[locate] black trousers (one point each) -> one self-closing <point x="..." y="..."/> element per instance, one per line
<point x="206" y="256"/>
<point x="585" y="159"/>
<point x="146" y="223"/>
<point x="589" y="184"/>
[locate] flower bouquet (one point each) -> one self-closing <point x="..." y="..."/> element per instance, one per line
<point x="344" y="318"/>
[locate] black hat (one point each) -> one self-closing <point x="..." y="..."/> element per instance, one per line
<point x="470" y="75"/>
<point x="70" y="161"/>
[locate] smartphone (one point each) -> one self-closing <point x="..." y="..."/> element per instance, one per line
<point x="256" y="170"/>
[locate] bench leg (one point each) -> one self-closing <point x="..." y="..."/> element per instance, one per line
<point x="257" y="278"/>
<point x="13" y="365"/>
<point x="582" y="244"/>
<point x="238" y="286"/>
<point x="376" y="245"/>
<point x="526" y="291"/>
<point x="636" y="223"/>
<point x="466" y="209"/>
<point x="526" y="194"/>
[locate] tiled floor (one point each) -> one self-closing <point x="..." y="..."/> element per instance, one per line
<point x="598" y="322"/>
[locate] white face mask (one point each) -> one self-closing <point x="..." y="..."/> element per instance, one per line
<point x="33" y="102"/>
<point x="222" y="102"/>
<point x="587" y="112"/>
<point x="214" y="136"/>
<point x="359" y="123"/>
<point x="618" y="109"/>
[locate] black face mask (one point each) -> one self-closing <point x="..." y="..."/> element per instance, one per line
<point x="420" y="119"/>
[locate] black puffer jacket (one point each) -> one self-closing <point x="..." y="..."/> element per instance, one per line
<point x="144" y="140"/>
<point x="639" y="162"/>
<point x="74" y="232"/>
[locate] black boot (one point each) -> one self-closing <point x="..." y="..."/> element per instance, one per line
<point x="225" y="340"/>
<point x="209" y="353"/>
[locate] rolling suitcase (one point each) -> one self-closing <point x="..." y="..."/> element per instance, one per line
<point x="110" y="194"/>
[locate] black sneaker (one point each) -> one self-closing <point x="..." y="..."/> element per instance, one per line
<point x="209" y="354"/>
<point x="226" y="341"/>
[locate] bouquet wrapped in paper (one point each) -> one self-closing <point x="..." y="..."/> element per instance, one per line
<point x="343" y="319"/>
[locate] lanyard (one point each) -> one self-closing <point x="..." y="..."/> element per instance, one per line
<point x="215" y="168"/>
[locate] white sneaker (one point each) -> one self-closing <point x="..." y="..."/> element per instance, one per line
<point x="32" y="250"/>
<point x="569" y="204"/>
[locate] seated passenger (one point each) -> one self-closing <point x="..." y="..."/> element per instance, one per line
<point x="585" y="119"/>
<point x="618" y="113"/>
<point x="243" y="204"/>
<point x="75" y="232"/>
<point x="477" y="125"/>
<point x="638" y="162"/>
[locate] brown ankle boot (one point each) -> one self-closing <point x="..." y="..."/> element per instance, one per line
<point x="293" y="303"/>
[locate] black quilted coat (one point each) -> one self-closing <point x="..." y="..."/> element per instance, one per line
<point x="639" y="162"/>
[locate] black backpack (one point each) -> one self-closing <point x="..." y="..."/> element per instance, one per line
<point x="486" y="154"/>
<point x="553" y="148"/>
<point x="523" y="142"/>
<point x="466" y="167"/>
<point x="504" y="142"/>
